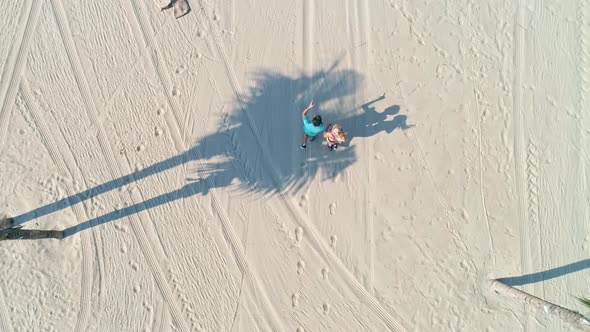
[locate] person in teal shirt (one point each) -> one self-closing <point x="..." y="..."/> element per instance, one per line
<point x="311" y="128"/>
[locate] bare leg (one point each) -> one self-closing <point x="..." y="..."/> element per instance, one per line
<point x="305" y="137"/>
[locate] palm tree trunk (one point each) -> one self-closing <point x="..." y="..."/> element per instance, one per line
<point x="572" y="317"/>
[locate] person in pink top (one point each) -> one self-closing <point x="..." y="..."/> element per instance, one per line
<point x="334" y="135"/>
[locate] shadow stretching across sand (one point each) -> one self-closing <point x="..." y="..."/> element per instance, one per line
<point x="546" y="275"/>
<point x="268" y="114"/>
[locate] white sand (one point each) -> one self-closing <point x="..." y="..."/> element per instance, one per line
<point x="473" y="166"/>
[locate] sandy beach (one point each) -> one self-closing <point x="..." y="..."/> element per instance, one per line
<point x="161" y="148"/>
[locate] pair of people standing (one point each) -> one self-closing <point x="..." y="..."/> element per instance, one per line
<point x="334" y="135"/>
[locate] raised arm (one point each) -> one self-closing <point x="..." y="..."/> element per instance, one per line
<point x="311" y="105"/>
<point x="367" y="107"/>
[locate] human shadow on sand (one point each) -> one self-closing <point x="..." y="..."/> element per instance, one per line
<point x="256" y="144"/>
<point x="369" y="122"/>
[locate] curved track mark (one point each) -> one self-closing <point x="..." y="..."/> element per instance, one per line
<point x="176" y="133"/>
<point x="149" y="44"/>
<point x="20" y="61"/>
<point x="309" y="228"/>
<point x="65" y="166"/>
<point x="114" y="167"/>
<point x="363" y="38"/>
<point x="481" y="181"/>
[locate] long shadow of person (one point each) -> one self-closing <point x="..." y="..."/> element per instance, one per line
<point x="370" y="122"/>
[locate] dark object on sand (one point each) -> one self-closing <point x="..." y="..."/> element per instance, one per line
<point x="181" y="7"/>
<point x="6" y="223"/>
<point x="8" y="231"/>
<point x="18" y="233"/>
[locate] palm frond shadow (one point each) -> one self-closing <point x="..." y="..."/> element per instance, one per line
<point x="253" y="146"/>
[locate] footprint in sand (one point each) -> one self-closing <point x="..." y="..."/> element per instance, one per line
<point x="332" y="208"/>
<point x="147" y="307"/>
<point x="325" y="273"/>
<point x="303" y="201"/>
<point x="121" y="228"/>
<point x="298" y="234"/>
<point x="158" y="131"/>
<point x="300" y="267"/>
<point x="134" y="266"/>
<point x="180" y="69"/>
<point x="326" y="308"/>
<point x="333" y="240"/>
<point x="336" y="178"/>
<point x="295" y="300"/>
<point x="464" y="265"/>
<point x="300" y="329"/>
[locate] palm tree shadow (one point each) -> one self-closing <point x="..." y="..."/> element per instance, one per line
<point x="255" y="146"/>
<point x="270" y="120"/>
<point x="547" y="274"/>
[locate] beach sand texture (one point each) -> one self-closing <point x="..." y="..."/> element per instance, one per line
<point x="167" y="152"/>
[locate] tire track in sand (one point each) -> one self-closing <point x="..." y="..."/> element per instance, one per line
<point x="67" y="169"/>
<point x="174" y="126"/>
<point x="5" y="322"/>
<point x="114" y="168"/>
<point x="520" y="153"/>
<point x="17" y="69"/>
<point x="584" y="42"/>
<point x="584" y="72"/>
<point x="519" y="145"/>
<point x="356" y="13"/>
<point x="584" y="19"/>
<point x="308" y="14"/>
<point x="309" y="228"/>
<point x="308" y="29"/>
<point x="362" y="17"/>
<point x="532" y="171"/>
